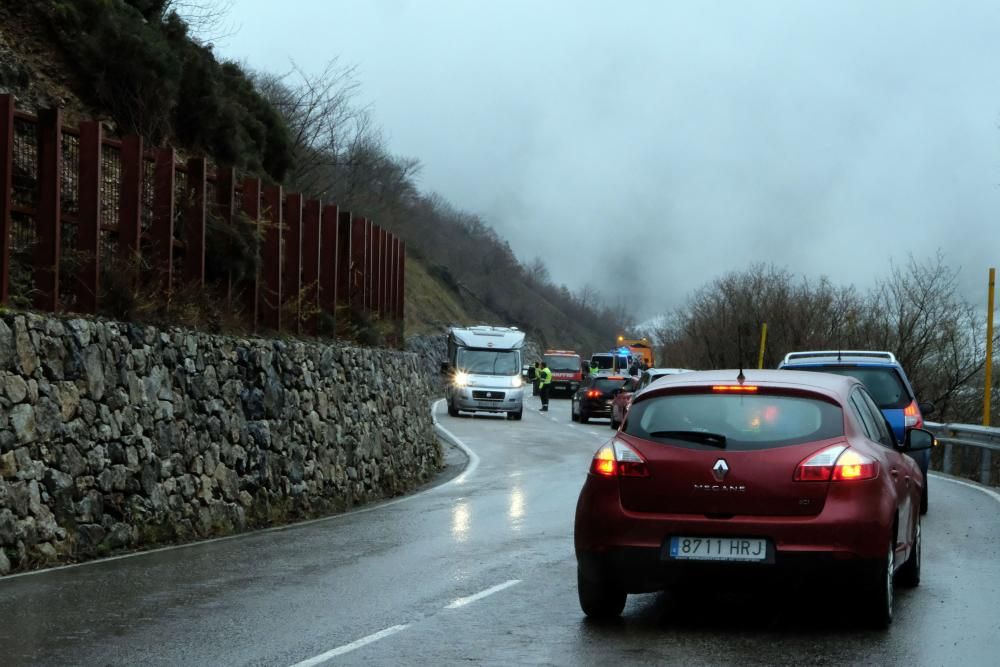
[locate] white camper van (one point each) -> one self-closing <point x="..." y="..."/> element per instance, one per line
<point x="483" y="370"/>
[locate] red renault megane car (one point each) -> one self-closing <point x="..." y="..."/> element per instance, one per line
<point x="716" y="474"/>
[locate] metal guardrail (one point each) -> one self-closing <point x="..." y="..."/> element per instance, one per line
<point x="965" y="450"/>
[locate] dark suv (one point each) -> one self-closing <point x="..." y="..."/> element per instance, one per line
<point x="885" y="380"/>
<point x="594" y="398"/>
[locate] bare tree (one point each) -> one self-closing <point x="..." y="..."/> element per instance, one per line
<point x="915" y="312"/>
<point x="207" y="20"/>
<point x="338" y="150"/>
<point x="537" y="273"/>
<point x="938" y="336"/>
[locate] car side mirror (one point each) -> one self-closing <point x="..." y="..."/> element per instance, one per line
<point x="445" y="368"/>
<point x="927" y="408"/>
<point x="918" y="439"/>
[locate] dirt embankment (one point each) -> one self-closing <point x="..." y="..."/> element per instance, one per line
<point x="33" y="68"/>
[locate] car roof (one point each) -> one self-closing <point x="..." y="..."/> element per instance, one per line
<point x="841" y="357"/>
<point x="824" y="383"/>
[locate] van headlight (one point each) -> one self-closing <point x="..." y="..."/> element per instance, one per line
<point x="517" y="382"/>
<point x="461" y="379"/>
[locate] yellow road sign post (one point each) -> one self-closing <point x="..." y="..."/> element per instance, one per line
<point x="988" y="384"/>
<point x="763" y="342"/>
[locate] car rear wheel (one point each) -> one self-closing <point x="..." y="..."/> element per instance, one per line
<point x="572" y="412"/>
<point x="923" y="498"/>
<point x="881" y="592"/>
<point x="909" y="574"/>
<point x="584" y="417"/>
<point x="599" y="600"/>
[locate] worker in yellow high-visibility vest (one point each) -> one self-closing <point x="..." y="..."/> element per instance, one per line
<point x="544" y="385"/>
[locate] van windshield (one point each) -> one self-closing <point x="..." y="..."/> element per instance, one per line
<point x="603" y="361"/>
<point x="562" y="363"/>
<point x="488" y="362"/>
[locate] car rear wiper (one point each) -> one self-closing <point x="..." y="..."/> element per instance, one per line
<point x="714" y="439"/>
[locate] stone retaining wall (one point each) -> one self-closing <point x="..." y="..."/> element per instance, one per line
<point x="115" y="436"/>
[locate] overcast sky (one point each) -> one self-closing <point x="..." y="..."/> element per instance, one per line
<point x="646" y="147"/>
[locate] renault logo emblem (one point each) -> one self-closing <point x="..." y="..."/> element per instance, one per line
<point x="720" y="469"/>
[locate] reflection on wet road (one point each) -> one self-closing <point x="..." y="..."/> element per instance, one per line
<point x="481" y="571"/>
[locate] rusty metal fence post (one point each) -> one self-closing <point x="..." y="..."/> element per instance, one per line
<point x="48" y="221"/>
<point x="130" y="202"/>
<point x="88" y="236"/>
<point x="251" y="208"/>
<point x="194" y="223"/>
<point x="162" y="230"/>
<point x="271" y="287"/>
<point x="6" y="185"/>
<point x="311" y="267"/>
<point x="328" y="268"/>
<point x="292" y="285"/>
<point x="358" y="256"/>
<point x="225" y="192"/>
<point x="345" y="257"/>
<point x="401" y="285"/>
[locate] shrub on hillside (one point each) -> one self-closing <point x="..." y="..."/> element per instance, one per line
<point x="140" y="63"/>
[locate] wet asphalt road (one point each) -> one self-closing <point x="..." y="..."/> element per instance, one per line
<point x="481" y="570"/>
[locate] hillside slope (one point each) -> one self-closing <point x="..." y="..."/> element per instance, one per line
<point x="40" y="62"/>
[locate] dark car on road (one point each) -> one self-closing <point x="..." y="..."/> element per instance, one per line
<point x="713" y="479"/>
<point x="886" y="381"/>
<point x="594" y="398"/>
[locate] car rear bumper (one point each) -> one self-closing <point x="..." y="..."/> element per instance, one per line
<point x="644" y="569"/>
<point x="629" y="546"/>
<point x="596" y="408"/>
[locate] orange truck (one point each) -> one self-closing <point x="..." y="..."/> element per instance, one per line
<point x="566" y="369"/>
<point x="638" y="347"/>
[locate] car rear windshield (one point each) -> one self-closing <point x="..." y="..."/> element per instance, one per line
<point x="563" y="363"/>
<point x="884" y="384"/>
<point x="748" y="422"/>
<point x="608" y="384"/>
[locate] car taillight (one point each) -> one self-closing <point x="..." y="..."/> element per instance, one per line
<point x="593" y="393"/>
<point x="618" y="459"/>
<point x="912" y="417"/>
<point x="836" y="463"/>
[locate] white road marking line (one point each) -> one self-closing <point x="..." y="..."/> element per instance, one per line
<point x="347" y="648"/>
<point x="473" y="457"/>
<point x="473" y="464"/>
<point x="461" y="602"/>
<point x="978" y="487"/>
